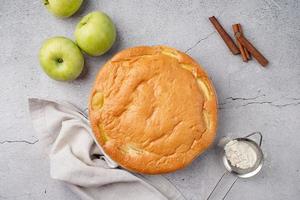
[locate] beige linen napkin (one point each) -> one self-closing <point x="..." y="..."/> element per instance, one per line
<point x="76" y="159"/>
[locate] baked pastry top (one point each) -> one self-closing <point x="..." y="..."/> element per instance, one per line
<point x="153" y="109"/>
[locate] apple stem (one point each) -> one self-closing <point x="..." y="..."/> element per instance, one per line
<point x="60" y="60"/>
<point x="46" y="2"/>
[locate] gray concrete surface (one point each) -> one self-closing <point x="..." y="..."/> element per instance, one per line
<point x="251" y="98"/>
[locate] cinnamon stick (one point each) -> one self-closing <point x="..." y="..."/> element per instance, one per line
<point x="236" y="29"/>
<point x="227" y="39"/>
<point x="255" y="53"/>
<point x="246" y="51"/>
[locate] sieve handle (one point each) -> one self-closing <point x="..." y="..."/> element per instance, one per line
<point x="256" y="133"/>
<point x="223" y="186"/>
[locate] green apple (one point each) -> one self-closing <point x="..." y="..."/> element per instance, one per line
<point x="95" y="33"/>
<point x="61" y="59"/>
<point x="62" y="8"/>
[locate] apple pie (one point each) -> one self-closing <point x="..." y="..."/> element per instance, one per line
<point x="153" y="109"/>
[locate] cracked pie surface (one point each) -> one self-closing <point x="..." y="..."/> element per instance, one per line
<point x="153" y="109"/>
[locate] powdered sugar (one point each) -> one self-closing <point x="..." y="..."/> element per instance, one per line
<point x="240" y="154"/>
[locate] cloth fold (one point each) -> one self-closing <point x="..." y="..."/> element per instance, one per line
<point x="76" y="158"/>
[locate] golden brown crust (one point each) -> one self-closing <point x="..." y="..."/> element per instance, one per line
<point x="153" y="109"/>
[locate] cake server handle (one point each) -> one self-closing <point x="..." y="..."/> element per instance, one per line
<point x="85" y="112"/>
<point x="223" y="186"/>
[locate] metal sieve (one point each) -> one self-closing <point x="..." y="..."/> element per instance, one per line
<point x="233" y="173"/>
<point x="246" y="173"/>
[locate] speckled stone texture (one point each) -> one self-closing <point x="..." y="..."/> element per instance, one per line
<point x="251" y="98"/>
